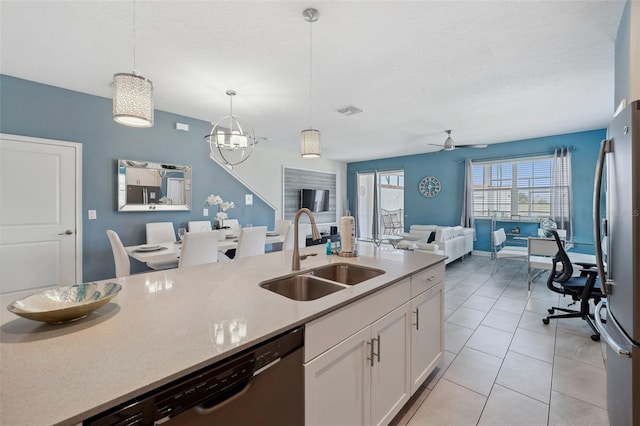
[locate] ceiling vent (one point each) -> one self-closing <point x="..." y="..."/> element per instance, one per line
<point x="349" y="111"/>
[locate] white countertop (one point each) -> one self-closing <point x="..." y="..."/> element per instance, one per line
<point x="160" y="328"/>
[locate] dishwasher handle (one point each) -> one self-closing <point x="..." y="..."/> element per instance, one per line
<point x="235" y="392"/>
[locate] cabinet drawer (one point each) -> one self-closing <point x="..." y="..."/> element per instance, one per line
<point x="329" y="330"/>
<point x="426" y="279"/>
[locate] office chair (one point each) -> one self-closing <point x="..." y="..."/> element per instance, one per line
<point x="581" y="289"/>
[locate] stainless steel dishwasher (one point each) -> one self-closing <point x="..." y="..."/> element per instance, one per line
<point x="263" y="385"/>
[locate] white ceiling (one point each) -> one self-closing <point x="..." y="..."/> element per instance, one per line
<point x="493" y="71"/>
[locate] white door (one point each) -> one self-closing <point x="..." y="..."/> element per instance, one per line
<point x="40" y="193"/>
<point x="427" y="334"/>
<point x="336" y="384"/>
<point x="390" y="372"/>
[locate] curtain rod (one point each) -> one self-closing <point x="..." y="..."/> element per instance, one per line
<point x="510" y="157"/>
<point x="394" y="169"/>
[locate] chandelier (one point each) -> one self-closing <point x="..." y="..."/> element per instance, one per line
<point x="230" y="142"/>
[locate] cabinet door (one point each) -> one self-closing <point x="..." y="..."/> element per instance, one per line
<point x="427" y="334"/>
<point x="336" y="384"/>
<point x="148" y="177"/>
<point x="390" y="385"/>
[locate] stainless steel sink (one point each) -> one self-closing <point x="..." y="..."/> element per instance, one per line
<point x="346" y="273"/>
<point x="301" y="287"/>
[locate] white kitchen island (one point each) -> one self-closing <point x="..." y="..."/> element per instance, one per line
<point x="160" y="327"/>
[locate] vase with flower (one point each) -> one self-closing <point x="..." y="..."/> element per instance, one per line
<point x="221" y="215"/>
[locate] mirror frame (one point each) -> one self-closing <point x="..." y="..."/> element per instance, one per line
<point x="121" y="173"/>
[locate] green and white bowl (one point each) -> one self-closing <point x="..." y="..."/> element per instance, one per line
<point x="64" y="304"/>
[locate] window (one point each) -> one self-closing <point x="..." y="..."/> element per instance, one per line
<point x="388" y="203"/>
<point x="514" y="188"/>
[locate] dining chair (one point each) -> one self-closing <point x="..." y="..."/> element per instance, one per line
<point x="160" y="232"/>
<point x="281" y="228"/>
<point x="303" y="230"/>
<point x="251" y="241"/>
<point x="234" y="226"/>
<point x="501" y="251"/>
<point x="540" y="252"/>
<point x="120" y="256"/>
<point x="199" y="248"/>
<point x="199" y="225"/>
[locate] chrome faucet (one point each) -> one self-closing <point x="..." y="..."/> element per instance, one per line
<point x="295" y="266"/>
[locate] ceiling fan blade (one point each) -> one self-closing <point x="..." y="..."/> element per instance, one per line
<point x="435" y="144"/>
<point x="472" y="146"/>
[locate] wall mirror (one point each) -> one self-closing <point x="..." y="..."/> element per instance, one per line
<point x="146" y="186"/>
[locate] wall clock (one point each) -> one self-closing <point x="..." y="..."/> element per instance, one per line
<point x="429" y="186"/>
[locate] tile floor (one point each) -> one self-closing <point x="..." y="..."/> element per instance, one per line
<point x="501" y="365"/>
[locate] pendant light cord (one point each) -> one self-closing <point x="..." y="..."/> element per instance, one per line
<point x="134" y="36"/>
<point x="310" y="70"/>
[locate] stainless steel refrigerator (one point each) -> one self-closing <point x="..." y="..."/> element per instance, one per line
<point x="618" y="180"/>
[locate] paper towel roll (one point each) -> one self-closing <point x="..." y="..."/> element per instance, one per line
<point x="347" y="233"/>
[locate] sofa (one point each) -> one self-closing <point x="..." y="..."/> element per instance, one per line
<point x="451" y="241"/>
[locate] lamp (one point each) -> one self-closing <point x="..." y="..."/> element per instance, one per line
<point x="310" y="138"/>
<point x="133" y="94"/>
<point x="227" y="139"/>
<point x="448" y="144"/>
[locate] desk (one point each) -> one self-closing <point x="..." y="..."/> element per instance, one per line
<point x="170" y="252"/>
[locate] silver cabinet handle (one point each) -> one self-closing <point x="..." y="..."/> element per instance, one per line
<point x="618" y="348"/>
<point x="370" y="357"/>
<point x="432" y="277"/>
<point x="417" y="323"/>
<point x="67" y="232"/>
<point x="372" y="352"/>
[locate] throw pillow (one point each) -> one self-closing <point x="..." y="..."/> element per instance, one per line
<point x="432" y="237"/>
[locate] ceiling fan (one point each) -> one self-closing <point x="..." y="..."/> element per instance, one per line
<point x="449" y="145"/>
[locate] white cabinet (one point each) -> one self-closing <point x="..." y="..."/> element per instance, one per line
<point x="336" y="384"/>
<point x="364" y="379"/>
<point x="142" y="177"/>
<point x="389" y="361"/>
<point x="427" y="334"/>
<point x="365" y="360"/>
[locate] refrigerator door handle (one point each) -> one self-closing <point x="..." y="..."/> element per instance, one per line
<point x="605" y="147"/>
<point x="623" y="351"/>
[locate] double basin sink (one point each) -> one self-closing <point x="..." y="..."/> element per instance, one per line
<point x="320" y="281"/>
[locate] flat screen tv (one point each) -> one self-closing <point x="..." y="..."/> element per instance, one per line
<point x="316" y="200"/>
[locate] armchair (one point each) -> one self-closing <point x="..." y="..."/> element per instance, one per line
<point x="581" y="289"/>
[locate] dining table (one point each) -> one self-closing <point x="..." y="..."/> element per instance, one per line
<point x="166" y="255"/>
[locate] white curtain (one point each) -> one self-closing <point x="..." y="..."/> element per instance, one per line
<point x="561" y="191"/>
<point x="375" y="223"/>
<point x="466" y="219"/>
<point x="364" y="205"/>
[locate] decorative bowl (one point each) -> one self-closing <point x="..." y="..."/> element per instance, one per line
<point x="64" y="304"/>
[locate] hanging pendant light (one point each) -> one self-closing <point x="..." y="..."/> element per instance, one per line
<point x="133" y="94"/>
<point x="310" y="138"/>
<point x="230" y="142"/>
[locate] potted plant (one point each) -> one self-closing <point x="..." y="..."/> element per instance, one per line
<point x="221" y="215"/>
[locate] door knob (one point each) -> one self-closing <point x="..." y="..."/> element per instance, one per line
<point x="67" y="232"/>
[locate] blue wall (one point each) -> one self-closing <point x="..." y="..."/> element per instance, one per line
<point x="37" y="110"/>
<point x="448" y="167"/>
